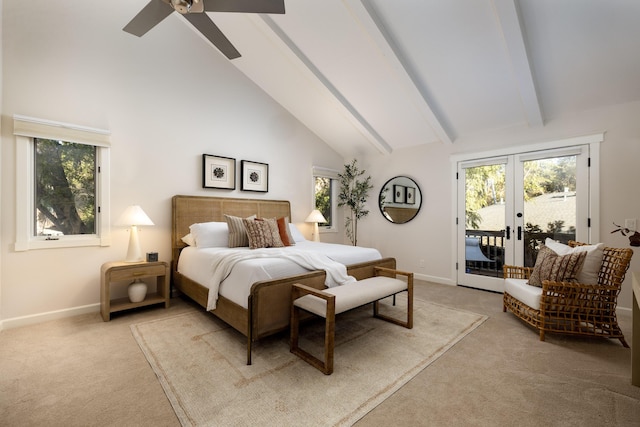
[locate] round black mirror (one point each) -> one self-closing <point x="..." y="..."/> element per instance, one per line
<point x="400" y="199"/>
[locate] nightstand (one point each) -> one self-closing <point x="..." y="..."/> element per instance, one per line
<point x="120" y="271"/>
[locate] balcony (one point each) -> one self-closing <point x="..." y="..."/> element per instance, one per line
<point x="491" y="245"/>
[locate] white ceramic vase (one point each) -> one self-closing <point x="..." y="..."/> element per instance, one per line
<point x="137" y="291"/>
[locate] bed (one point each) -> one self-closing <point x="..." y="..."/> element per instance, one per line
<point x="267" y="306"/>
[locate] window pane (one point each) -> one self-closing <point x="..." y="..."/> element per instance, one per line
<point x="549" y="203"/>
<point x="323" y="198"/>
<point x="65" y="188"/>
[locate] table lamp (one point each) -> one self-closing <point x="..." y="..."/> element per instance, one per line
<point x="132" y="217"/>
<point x="315" y="217"/>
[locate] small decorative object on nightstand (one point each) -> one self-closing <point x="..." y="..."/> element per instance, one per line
<point x="137" y="290"/>
<point x="120" y="271"/>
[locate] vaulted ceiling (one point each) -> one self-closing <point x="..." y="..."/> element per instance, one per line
<point x="379" y="75"/>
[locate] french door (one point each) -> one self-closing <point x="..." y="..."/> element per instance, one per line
<point x="508" y="205"/>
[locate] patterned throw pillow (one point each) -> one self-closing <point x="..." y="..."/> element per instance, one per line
<point x="556" y="268"/>
<point x="237" y="233"/>
<point x="592" y="263"/>
<point x="257" y="233"/>
<point x="263" y="233"/>
<point x="273" y="231"/>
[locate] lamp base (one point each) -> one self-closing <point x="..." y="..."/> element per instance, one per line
<point x="137" y="291"/>
<point x="134" y="254"/>
<point x="316" y="234"/>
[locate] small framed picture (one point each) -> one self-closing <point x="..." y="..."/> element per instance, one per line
<point x="255" y="176"/>
<point x="411" y="195"/>
<point x="399" y="194"/>
<point x="218" y="172"/>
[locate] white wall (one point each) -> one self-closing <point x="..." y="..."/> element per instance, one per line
<point x="430" y="235"/>
<point x="166" y="101"/>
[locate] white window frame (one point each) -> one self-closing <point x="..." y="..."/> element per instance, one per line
<point x="333" y="175"/>
<point x="25" y="129"/>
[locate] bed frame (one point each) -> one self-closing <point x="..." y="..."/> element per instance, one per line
<point x="269" y="301"/>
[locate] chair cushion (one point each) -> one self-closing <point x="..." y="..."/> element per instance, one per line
<point x="554" y="267"/>
<point x="520" y="290"/>
<point x="592" y="263"/>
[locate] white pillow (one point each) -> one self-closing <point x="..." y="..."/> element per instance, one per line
<point x="210" y="234"/>
<point x="593" y="261"/>
<point x="189" y="240"/>
<point x="295" y="233"/>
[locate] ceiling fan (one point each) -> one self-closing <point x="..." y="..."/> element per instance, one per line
<point x="193" y="10"/>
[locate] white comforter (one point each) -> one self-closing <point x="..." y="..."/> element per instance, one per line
<point x="231" y="272"/>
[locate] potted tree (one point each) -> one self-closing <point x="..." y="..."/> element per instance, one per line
<point x="353" y="193"/>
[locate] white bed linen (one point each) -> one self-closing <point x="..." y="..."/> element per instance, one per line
<point x="344" y="254"/>
<point x="196" y="264"/>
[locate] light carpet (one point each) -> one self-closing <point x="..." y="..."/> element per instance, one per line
<point x="201" y="364"/>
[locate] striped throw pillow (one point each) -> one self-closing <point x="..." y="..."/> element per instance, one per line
<point x="556" y="268"/>
<point x="237" y="231"/>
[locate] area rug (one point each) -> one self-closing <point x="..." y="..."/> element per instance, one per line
<point x="201" y="364"/>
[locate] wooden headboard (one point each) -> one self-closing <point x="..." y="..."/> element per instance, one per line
<point x="187" y="210"/>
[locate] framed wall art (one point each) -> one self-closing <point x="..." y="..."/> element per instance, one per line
<point x="218" y="172"/>
<point x="399" y="193"/>
<point x="255" y="176"/>
<point x="411" y="195"/>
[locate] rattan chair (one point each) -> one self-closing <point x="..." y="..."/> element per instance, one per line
<point x="575" y="308"/>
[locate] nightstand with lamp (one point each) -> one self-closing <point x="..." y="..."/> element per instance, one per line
<point x="133" y="269"/>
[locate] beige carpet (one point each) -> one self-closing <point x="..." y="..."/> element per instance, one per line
<point x="200" y="363"/>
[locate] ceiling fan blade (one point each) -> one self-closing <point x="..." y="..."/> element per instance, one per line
<point x="245" y="6"/>
<point x="152" y="14"/>
<point x="211" y="31"/>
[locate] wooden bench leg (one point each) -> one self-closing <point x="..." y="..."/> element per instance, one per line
<point x="409" y="323"/>
<point x="326" y="365"/>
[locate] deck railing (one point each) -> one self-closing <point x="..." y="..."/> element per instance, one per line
<point x="492" y="246"/>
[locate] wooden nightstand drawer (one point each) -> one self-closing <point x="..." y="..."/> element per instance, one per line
<point x="136" y="271"/>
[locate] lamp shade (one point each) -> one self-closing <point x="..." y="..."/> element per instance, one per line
<point x="315" y="216"/>
<point x="133" y="215"/>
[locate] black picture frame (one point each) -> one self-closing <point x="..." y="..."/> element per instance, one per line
<point x="410" y="198"/>
<point x="255" y="176"/>
<point x="218" y="172"/>
<point x="399" y="194"/>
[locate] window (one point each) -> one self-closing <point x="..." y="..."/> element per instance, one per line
<point x="65" y="188"/>
<point x="325" y="183"/>
<point x="323" y="197"/>
<point x="62" y="185"/>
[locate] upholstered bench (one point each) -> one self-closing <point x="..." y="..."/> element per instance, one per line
<point x="327" y="303"/>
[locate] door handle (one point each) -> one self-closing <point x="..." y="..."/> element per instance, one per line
<point x="508" y="233"/>
<point x="519" y="233"/>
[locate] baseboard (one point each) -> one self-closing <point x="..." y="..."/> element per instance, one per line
<point x="625" y="310"/>
<point x="51" y="315"/>
<point x="434" y="279"/>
